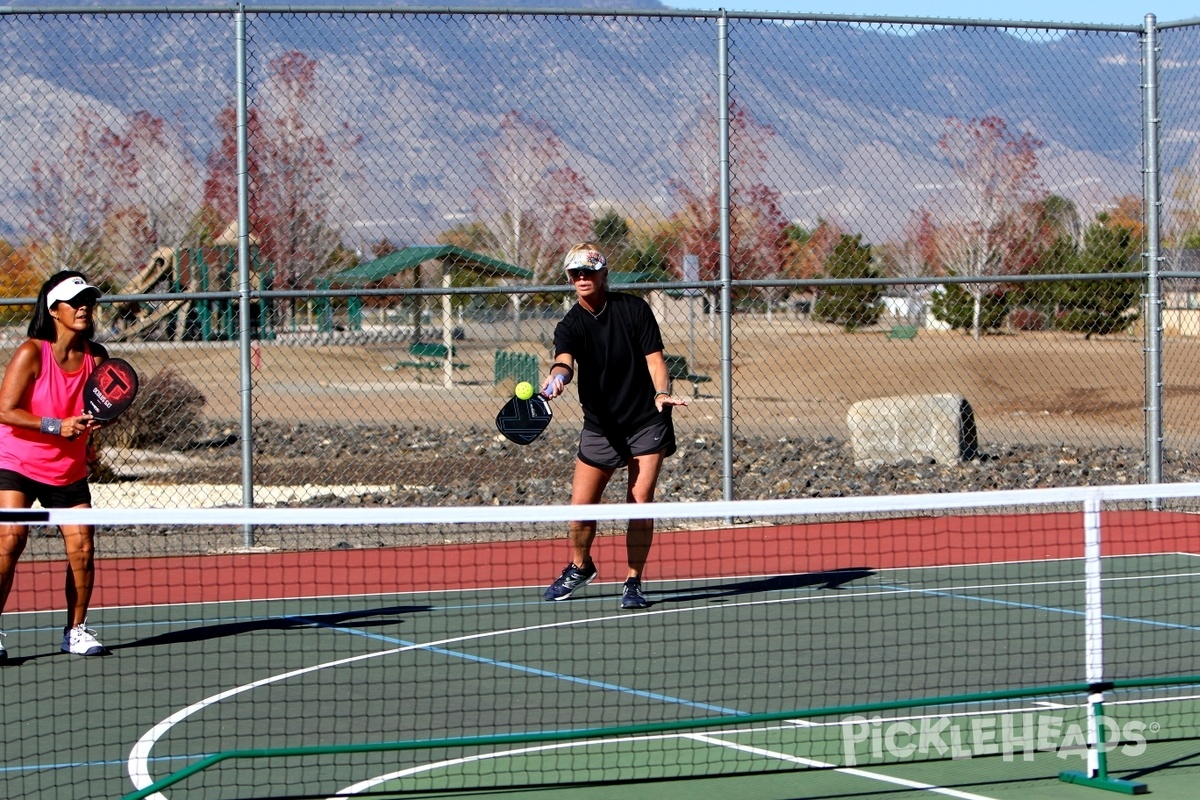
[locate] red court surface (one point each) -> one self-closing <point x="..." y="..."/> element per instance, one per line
<point x="952" y="540"/>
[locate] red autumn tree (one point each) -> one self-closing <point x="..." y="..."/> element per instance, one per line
<point x="758" y="241"/>
<point x="166" y="187"/>
<point x="299" y="170"/>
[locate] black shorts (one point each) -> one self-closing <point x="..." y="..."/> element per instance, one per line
<point x="605" y="452"/>
<point x="69" y="496"/>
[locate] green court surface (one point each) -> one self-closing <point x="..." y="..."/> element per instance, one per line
<point x="189" y="680"/>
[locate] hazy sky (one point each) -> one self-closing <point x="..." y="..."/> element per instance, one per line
<point x="1102" y="12"/>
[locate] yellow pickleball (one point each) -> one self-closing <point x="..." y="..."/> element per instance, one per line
<point x="524" y="390"/>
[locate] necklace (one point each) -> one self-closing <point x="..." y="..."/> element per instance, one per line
<point x="596" y="314"/>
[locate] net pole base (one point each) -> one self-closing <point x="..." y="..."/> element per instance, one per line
<point x="1104" y="782"/>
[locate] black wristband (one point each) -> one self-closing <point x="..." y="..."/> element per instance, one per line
<point x="51" y="426"/>
<point x="570" y="370"/>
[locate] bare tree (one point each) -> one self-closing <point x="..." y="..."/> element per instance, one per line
<point x="533" y="202"/>
<point x="912" y="257"/>
<point x="75" y="187"/>
<point x="166" y="186"/>
<point x="997" y="179"/>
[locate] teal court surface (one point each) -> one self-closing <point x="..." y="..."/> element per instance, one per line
<point x="459" y="682"/>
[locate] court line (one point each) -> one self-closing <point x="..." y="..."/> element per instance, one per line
<point x="1053" y="609"/>
<point x="541" y="673"/>
<point x="539" y="587"/>
<point x="371" y="783"/>
<point x="139" y="755"/>
<point x="715" y="739"/>
<point x="858" y="773"/>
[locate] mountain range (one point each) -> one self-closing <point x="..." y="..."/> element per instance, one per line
<point x="849" y="114"/>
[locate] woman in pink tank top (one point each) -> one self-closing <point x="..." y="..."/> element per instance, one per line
<point x="44" y="440"/>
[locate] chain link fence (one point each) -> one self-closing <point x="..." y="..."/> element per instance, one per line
<point x="331" y="289"/>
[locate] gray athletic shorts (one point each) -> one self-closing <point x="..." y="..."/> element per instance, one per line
<point x="598" y="450"/>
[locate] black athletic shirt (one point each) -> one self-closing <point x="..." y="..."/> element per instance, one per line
<point x="610" y="349"/>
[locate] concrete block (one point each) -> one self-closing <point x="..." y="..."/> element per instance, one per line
<point x="886" y="430"/>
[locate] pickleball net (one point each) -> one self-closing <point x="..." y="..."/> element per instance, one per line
<point x="383" y="651"/>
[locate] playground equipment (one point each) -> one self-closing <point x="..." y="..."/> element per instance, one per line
<point x="210" y="268"/>
<point x="146" y="320"/>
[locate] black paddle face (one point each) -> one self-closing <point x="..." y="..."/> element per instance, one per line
<point x="110" y="390"/>
<point x="522" y="421"/>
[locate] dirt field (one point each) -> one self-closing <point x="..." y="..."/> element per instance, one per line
<point x="789" y="378"/>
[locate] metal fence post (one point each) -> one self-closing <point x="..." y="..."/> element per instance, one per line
<point x="243" y="244"/>
<point x="1150" y="202"/>
<point x="726" y="271"/>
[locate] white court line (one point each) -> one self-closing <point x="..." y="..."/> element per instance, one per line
<point x="137" y="764"/>
<point x="539" y="587"/>
<point x="858" y="773"/>
<point x="371" y="783"/>
<point x="138" y="761"/>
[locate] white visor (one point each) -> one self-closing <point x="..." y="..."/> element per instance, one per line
<point x="69" y="290"/>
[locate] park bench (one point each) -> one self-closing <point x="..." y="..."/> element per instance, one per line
<point x="678" y="369"/>
<point x="428" y="355"/>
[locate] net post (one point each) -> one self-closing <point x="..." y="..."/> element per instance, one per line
<point x="1097" y="757"/>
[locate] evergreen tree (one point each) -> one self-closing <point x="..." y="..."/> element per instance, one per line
<point x="854" y="305"/>
<point x="955" y="306"/>
<point x="1100" y="307"/>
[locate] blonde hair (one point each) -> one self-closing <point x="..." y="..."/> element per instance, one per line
<point x="583" y="247"/>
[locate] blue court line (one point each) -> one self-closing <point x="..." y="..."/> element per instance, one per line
<point x="541" y="673"/>
<point x="535" y="671"/>
<point x="1050" y="609"/>
<point x="85" y="764"/>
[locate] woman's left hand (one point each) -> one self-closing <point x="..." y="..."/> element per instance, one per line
<point x="661" y="401"/>
<point x="77" y="426"/>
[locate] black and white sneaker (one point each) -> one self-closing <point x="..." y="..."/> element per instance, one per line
<point x="631" y="595"/>
<point x="572" y="578"/>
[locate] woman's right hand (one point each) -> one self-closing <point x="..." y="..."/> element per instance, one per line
<point x="553" y="387"/>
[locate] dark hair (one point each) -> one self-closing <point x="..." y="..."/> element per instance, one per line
<point x="41" y="326"/>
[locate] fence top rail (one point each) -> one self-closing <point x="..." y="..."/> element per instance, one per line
<point x="334" y="8"/>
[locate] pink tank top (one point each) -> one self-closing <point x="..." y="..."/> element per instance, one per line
<point x="49" y="459"/>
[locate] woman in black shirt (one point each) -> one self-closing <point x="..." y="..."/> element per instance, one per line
<point x="613" y="341"/>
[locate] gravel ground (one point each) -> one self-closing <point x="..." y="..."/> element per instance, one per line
<point x="475" y="467"/>
<point x="432" y="467"/>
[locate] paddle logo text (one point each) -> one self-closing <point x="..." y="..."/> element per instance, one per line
<point x="1006" y="735"/>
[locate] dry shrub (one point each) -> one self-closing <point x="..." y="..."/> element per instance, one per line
<point x="166" y="413"/>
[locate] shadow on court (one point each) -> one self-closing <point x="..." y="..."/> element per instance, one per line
<point x="828" y="579"/>
<point x="202" y="633"/>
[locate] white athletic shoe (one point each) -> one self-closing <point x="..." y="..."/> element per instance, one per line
<point x="81" y="641"/>
<point x="3" y="652"/>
